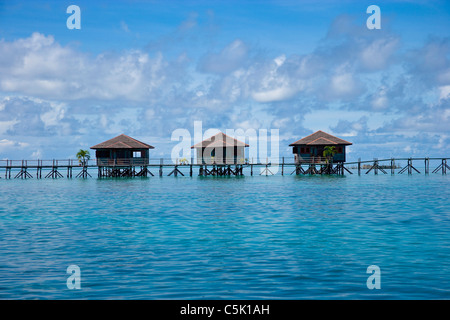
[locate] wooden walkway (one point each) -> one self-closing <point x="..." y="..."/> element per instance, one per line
<point x="53" y="169"/>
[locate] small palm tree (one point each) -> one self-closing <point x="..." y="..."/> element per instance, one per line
<point x="83" y="156"/>
<point x="329" y="152"/>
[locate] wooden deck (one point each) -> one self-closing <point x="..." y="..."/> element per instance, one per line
<point x="69" y="168"/>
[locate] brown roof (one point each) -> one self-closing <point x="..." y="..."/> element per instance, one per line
<point x="122" y="142"/>
<point x="220" y="140"/>
<point x="320" y="138"/>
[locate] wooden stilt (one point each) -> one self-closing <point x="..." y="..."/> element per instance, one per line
<point x="409" y="167"/>
<point x="176" y="171"/>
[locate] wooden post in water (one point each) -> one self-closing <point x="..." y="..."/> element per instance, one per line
<point x="392" y="166"/>
<point x="282" y="167"/>
<point x="161" y="161"/>
<point x="10" y="164"/>
<point x="68" y="169"/>
<point x="359" y="166"/>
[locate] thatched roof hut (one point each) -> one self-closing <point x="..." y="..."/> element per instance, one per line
<point x="122" y="150"/>
<point x="312" y="146"/>
<point x="220" y="149"/>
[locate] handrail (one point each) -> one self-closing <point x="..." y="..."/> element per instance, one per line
<point x="6" y="163"/>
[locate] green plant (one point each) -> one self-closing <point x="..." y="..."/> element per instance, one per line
<point x="83" y="156"/>
<point x="329" y="152"/>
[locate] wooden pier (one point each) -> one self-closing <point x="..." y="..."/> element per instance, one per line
<point x="70" y="168"/>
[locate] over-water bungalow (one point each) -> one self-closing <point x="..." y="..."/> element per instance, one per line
<point x="122" y="150"/>
<point x="220" y="149"/>
<point x="310" y="148"/>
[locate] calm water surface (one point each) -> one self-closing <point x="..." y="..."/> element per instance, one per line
<point x="226" y="238"/>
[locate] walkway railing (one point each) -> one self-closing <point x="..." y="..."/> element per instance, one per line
<point x="311" y="165"/>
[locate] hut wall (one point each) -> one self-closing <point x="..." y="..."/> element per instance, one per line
<point x="108" y="157"/>
<point x="305" y="153"/>
<point x="228" y="155"/>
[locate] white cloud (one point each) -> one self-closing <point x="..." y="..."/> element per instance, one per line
<point x="7" y="144"/>
<point x="71" y="92"/>
<point x="377" y="54"/>
<point x="54" y="115"/>
<point x="7" y="125"/>
<point x="380" y="101"/>
<point x="277" y="94"/>
<point x="229" y="59"/>
<point x="342" y="84"/>
<point x="41" y="67"/>
<point x="444" y="92"/>
<point x="37" y="154"/>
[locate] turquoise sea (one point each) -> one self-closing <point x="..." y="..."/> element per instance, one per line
<point x="275" y="237"/>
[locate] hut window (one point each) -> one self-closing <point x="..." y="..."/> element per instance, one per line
<point x="339" y="149"/>
<point x="136" y="154"/>
<point x="307" y="150"/>
<point x="102" y="154"/>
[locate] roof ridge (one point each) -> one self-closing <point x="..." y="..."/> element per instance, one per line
<point x="133" y="139"/>
<point x="223" y="140"/>
<point x="324" y="139"/>
<point x="129" y="142"/>
<point x="320" y="134"/>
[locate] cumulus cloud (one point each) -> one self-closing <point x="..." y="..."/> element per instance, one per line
<point x="431" y="63"/>
<point x="5" y="143"/>
<point x="35" y="117"/>
<point x="55" y="90"/>
<point x="377" y="55"/>
<point x="41" y="67"/>
<point x="228" y="59"/>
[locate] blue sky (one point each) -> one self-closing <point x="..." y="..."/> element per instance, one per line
<point x="146" y="68"/>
